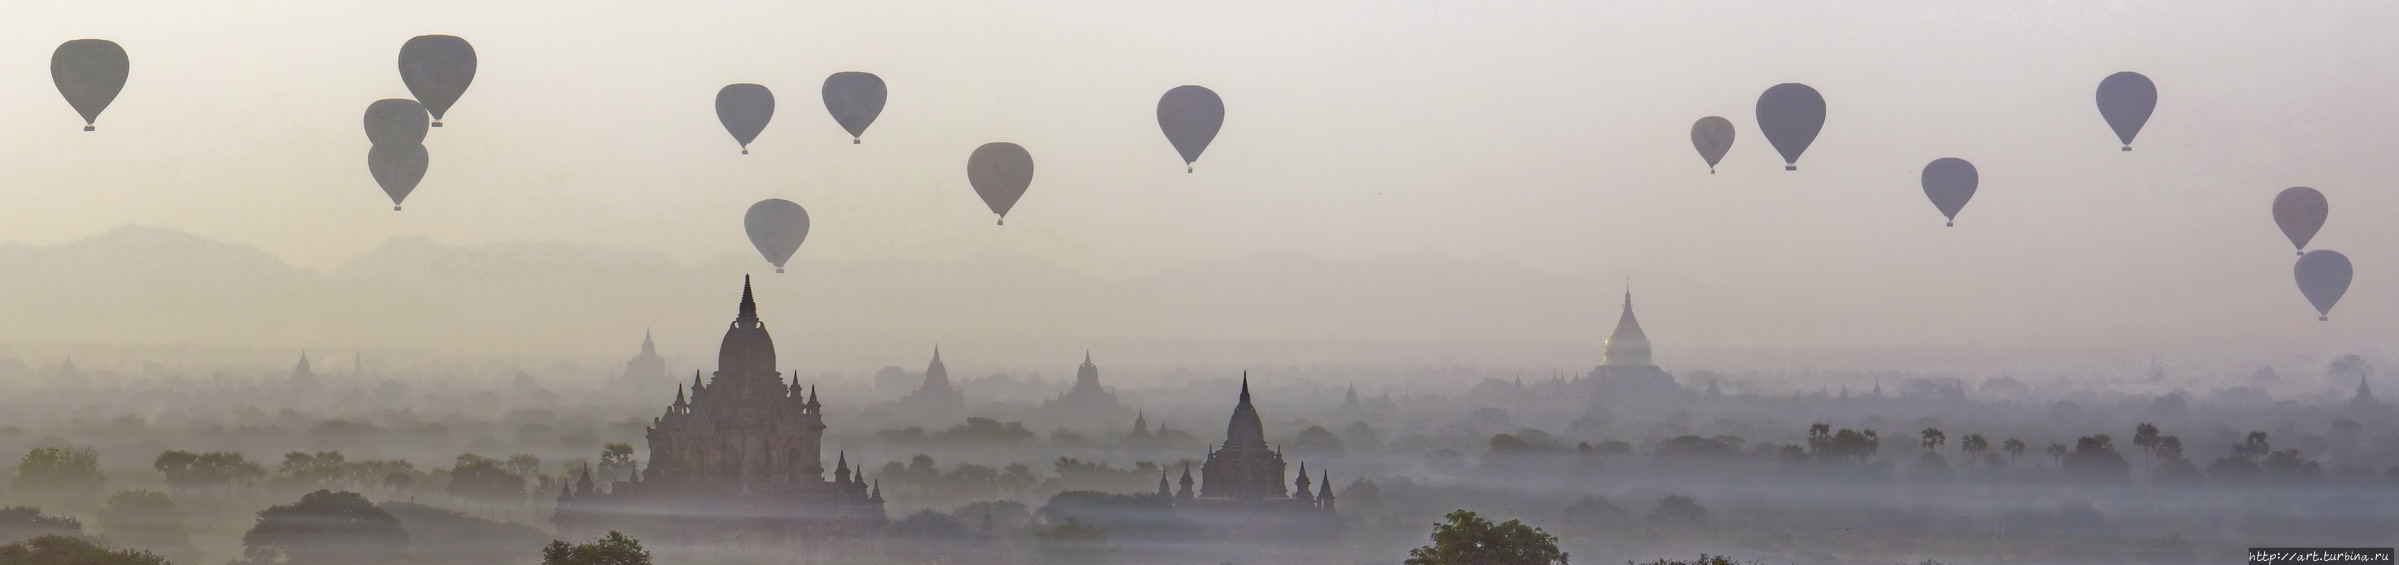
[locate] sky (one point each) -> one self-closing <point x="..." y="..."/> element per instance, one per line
<point x="1551" y="135"/>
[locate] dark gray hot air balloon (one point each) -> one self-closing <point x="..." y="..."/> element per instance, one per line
<point x="855" y="99"/>
<point x="1790" y="114"/>
<point x="90" y="73"/>
<point x="1950" y="182"/>
<point x="1190" y="116"/>
<point x="744" y="109"/>
<point x="437" y="69"/>
<point x="2125" y="100"/>
<point x="398" y="168"/>
<point x="1712" y="136"/>
<point x="2323" y="277"/>
<point x="776" y="227"/>
<point x="395" y="121"/>
<point x="2300" y="211"/>
<point x="1000" y="172"/>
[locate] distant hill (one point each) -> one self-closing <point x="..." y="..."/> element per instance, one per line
<point x="149" y="285"/>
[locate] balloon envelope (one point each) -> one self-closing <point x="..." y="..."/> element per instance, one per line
<point x="776" y="227"/>
<point x="1190" y="115"/>
<point x="90" y="73"/>
<point x="744" y="109"/>
<point x="1712" y="136"/>
<point x="1950" y="182"/>
<point x="437" y="69"/>
<point x="398" y="168"/>
<point x="2125" y="100"/>
<point x="2323" y="277"/>
<point x="395" y="121"/>
<point x="1790" y="114"/>
<point x="2300" y="211"/>
<point x="855" y="99"/>
<point x="1000" y="172"/>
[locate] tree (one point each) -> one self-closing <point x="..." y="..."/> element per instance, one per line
<point x="19" y="523"/>
<point x="616" y="462"/>
<point x="1934" y="439"/>
<point x="2014" y="448"/>
<point x="1974" y="444"/>
<point x="927" y="536"/>
<point x="1678" y="510"/>
<point x="326" y="527"/>
<point x="149" y="520"/>
<point x="2094" y="460"/>
<point x="483" y="480"/>
<point x="71" y="550"/>
<point x="66" y="476"/>
<point x="2057" y="452"/>
<point x="1468" y="539"/>
<point x="2145" y="437"/>
<point x="613" y="549"/>
<point x="1595" y="514"/>
<point x="1072" y="543"/>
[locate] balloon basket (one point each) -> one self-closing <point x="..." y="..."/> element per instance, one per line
<point x="88" y="127"/>
<point x="745" y="151"/>
<point x="1952" y="224"/>
<point x="778" y="269"/>
<point x="2127" y="148"/>
<point x="395" y="208"/>
<point x="1711" y="170"/>
<point x="437" y="124"/>
<point x="855" y="141"/>
<point x="2324" y="318"/>
<point x="1790" y="167"/>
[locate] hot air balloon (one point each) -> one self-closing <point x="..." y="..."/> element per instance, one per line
<point x="398" y="168"/>
<point x="855" y="99"/>
<point x="1712" y="136"/>
<point x="437" y="69"/>
<point x="1790" y="114"/>
<point x="1950" y="182"/>
<point x="1000" y="172"/>
<point x="90" y="73"/>
<point x="776" y="227"/>
<point x="1190" y="116"/>
<point x="744" y="109"/>
<point x="2125" y="100"/>
<point x="2323" y="277"/>
<point x="395" y="121"/>
<point x="2300" y="211"/>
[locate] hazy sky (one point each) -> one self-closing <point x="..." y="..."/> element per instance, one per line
<point x="1552" y="134"/>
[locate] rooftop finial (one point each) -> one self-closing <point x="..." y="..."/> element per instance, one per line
<point x="749" y="305"/>
<point x="1245" y="387"/>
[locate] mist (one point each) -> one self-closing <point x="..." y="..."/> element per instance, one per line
<point x="1425" y="257"/>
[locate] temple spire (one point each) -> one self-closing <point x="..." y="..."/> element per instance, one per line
<point x="749" y="304"/>
<point x="647" y="347"/>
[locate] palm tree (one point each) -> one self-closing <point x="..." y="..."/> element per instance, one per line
<point x="2057" y="452"/>
<point x="2145" y="437"/>
<point x="1933" y="438"/>
<point x="1975" y="445"/>
<point x="2014" y="448"/>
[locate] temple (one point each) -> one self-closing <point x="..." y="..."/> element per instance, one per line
<point x="1244" y="468"/>
<point x="1242" y="493"/>
<point x="1087" y="393"/>
<point x="644" y="370"/>
<point x="936" y="394"/>
<point x="738" y="458"/>
<point x="1626" y="355"/>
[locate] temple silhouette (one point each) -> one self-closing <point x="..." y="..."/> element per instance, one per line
<point x="738" y="460"/>
<point x="1242" y="493"/>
